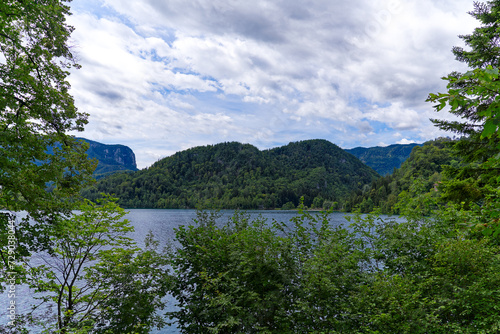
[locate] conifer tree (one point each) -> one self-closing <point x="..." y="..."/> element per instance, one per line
<point x="482" y="52"/>
<point x="474" y="96"/>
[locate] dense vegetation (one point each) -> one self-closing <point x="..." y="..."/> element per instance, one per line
<point x="425" y="163"/>
<point x="383" y="159"/>
<point x="424" y="275"/>
<point x="234" y="175"/>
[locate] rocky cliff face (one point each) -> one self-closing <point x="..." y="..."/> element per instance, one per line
<point x="111" y="158"/>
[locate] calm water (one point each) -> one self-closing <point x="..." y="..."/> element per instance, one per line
<point x="162" y="223"/>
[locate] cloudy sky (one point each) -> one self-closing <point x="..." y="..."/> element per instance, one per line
<point x="165" y="75"/>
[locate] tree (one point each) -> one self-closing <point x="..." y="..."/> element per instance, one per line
<point x="95" y="279"/>
<point x="37" y="110"/>
<point x="42" y="168"/>
<point x="475" y="97"/>
<point x="452" y="286"/>
<point x="230" y="279"/>
<point x="94" y="276"/>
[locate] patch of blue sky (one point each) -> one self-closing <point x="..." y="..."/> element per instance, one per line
<point x="98" y="9"/>
<point x="228" y="103"/>
<point x="152" y="55"/>
<point x="363" y="104"/>
<point x="359" y="102"/>
<point x="163" y="33"/>
<point x="162" y="89"/>
<point x="378" y="127"/>
<point x="165" y="90"/>
<point x="382" y="105"/>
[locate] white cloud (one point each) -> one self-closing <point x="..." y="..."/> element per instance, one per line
<point x="396" y="116"/>
<point x="184" y="73"/>
<point x="405" y="141"/>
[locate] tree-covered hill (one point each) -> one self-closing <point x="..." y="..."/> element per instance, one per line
<point x="383" y="159"/>
<point x="234" y="175"/>
<point x="425" y="162"/>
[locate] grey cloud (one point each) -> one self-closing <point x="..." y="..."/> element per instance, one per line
<point x="365" y="127"/>
<point x="103" y="89"/>
<point x="108" y="95"/>
<point x="263" y="20"/>
<point x="222" y="17"/>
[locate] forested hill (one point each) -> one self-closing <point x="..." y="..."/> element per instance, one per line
<point x="383" y="159"/>
<point x="234" y="175"/>
<point x="425" y="164"/>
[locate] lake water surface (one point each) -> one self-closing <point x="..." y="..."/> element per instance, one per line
<point x="163" y="222"/>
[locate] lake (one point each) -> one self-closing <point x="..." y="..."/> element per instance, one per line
<point x="162" y="223"/>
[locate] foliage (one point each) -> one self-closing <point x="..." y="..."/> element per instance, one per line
<point x="438" y="274"/>
<point x="471" y="170"/>
<point x="435" y="271"/>
<point x="95" y="279"/>
<point x="424" y="274"/>
<point x="37" y="111"/>
<point x="93" y="276"/>
<point x="233" y="175"/>
<point x="426" y="163"/>
<point x="474" y="96"/>
<point x="253" y="277"/>
<point x="230" y="279"/>
<point x="36" y="108"/>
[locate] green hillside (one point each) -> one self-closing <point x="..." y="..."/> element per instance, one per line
<point x="425" y="162"/>
<point x="383" y="159"/>
<point x="234" y="175"/>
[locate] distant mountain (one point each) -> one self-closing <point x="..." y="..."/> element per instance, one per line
<point x="234" y="175"/>
<point x="112" y="158"/>
<point x="383" y="159"/>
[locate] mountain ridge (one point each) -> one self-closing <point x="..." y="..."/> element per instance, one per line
<point x="235" y="175"/>
<point x="383" y="159"/>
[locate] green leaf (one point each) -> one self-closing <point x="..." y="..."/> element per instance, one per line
<point x="489" y="128"/>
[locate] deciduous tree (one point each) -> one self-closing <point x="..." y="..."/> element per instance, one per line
<point x="37" y="110"/>
<point x="95" y="279"/>
<point x="42" y="168"/>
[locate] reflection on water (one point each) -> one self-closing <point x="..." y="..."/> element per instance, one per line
<point x="162" y="223"/>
